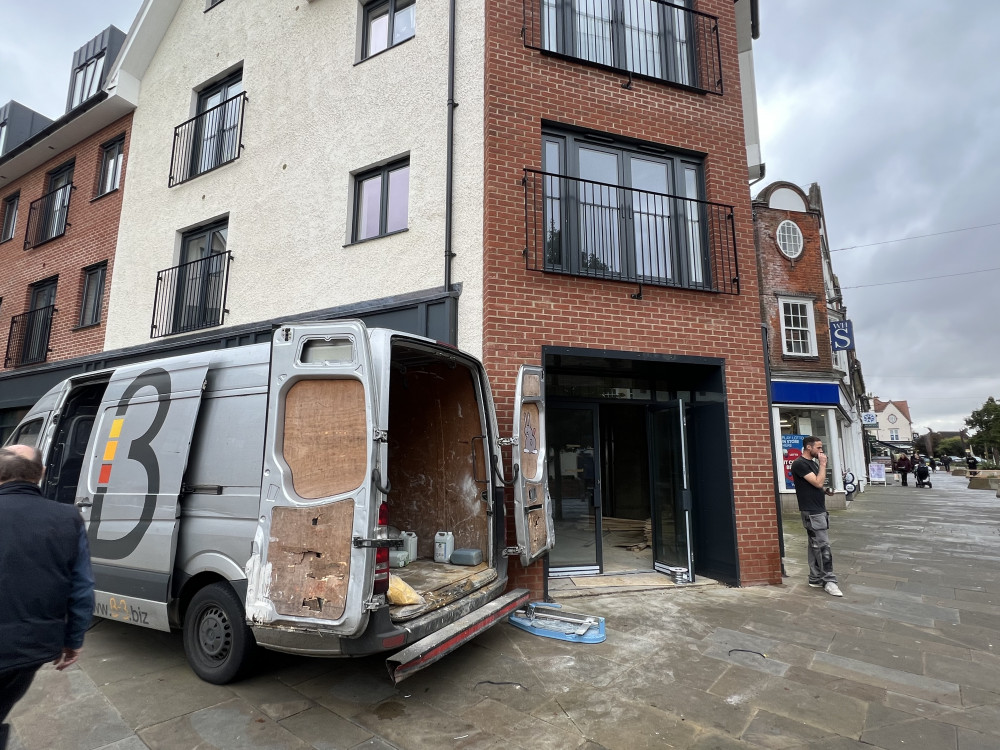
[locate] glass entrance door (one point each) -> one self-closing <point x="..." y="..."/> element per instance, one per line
<point x="575" y="486"/>
<point x="670" y="489"/>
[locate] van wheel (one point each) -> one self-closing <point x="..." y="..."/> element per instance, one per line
<point x="218" y="643"/>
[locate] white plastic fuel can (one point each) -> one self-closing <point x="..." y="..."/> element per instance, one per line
<point x="444" y="545"/>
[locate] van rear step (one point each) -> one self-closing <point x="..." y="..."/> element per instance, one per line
<point x="428" y="650"/>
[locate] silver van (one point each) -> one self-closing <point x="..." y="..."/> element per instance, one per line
<point x="247" y="495"/>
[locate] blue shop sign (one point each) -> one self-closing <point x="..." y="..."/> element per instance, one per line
<point x="842" y="335"/>
<point x="783" y="392"/>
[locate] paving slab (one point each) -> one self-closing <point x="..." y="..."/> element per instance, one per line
<point x="781" y="733"/>
<point x="919" y="733"/>
<point x="231" y="725"/>
<point x="325" y="730"/>
<point x="160" y="696"/>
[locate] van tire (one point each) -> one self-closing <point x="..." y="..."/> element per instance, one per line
<point x="217" y="641"/>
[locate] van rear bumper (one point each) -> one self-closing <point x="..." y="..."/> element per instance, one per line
<point x="382" y="634"/>
<point x="428" y="650"/>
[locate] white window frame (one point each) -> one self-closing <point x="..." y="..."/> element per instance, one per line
<point x="811" y="315"/>
<point x="789" y="230"/>
<point x="894" y="434"/>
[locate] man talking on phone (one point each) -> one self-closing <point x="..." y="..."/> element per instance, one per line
<point x="808" y="473"/>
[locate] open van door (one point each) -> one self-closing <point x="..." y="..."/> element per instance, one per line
<point x="129" y="489"/>
<point x="313" y="553"/>
<point x="532" y="504"/>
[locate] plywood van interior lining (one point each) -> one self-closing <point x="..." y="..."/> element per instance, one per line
<point x="325" y="437"/>
<point x="436" y="461"/>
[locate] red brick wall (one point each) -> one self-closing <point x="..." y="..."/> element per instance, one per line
<point x="525" y="310"/>
<point x="803" y="276"/>
<point x="90" y="238"/>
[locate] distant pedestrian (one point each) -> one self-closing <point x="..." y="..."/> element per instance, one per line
<point x="933" y="464"/>
<point x="972" y="463"/>
<point x="808" y="473"/>
<point x="946" y="462"/>
<point x="45" y="579"/>
<point x="903" y="467"/>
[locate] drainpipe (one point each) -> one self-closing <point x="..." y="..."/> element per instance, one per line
<point x="774" y="448"/>
<point x="449" y="185"/>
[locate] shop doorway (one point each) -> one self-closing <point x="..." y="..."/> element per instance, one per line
<point x="638" y="465"/>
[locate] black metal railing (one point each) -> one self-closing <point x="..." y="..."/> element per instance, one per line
<point x="645" y="38"/>
<point x="47" y="217"/>
<point x="28" y="340"/>
<point x="191" y="296"/>
<point x="604" y="231"/>
<point x="208" y="140"/>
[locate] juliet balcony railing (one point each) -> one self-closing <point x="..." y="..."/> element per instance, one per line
<point x="613" y="232"/>
<point x="208" y="140"/>
<point x="47" y="217"/>
<point x="650" y="39"/>
<point x="28" y="340"/>
<point x="191" y="296"/>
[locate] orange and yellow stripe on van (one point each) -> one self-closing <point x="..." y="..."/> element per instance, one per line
<point x="110" y="448"/>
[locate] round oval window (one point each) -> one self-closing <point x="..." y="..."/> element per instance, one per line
<point x="790" y="239"/>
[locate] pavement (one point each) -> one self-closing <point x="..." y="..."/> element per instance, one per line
<point x="907" y="658"/>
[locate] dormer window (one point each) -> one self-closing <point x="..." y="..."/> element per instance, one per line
<point x="87" y="80"/>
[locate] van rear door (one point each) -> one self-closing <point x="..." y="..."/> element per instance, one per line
<point x="532" y="504"/>
<point x="312" y="560"/>
<point x="130" y="484"/>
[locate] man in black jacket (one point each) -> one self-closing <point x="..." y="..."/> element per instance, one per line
<point x="45" y="579"/>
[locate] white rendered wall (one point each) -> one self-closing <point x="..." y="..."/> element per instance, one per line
<point x="314" y="115"/>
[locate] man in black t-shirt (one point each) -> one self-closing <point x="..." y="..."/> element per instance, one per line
<point x="808" y="473"/>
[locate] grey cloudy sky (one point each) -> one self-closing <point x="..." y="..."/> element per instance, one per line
<point x="892" y="106"/>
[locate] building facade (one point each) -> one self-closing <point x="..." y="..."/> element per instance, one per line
<point x="816" y="389"/>
<point x="618" y="251"/>
<point x="532" y="183"/>
<point x="61" y="195"/>
<point x="894" y="431"/>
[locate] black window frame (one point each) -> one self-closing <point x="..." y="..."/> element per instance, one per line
<point x="11" y="201"/>
<point x="199" y="165"/>
<point x="679" y="269"/>
<point x="202" y="275"/>
<point x="3" y="135"/>
<point x="99" y="271"/>
<point x="95" y="81"/>
<point x="374" y="8"/>
<point x="118" y="144"/>
<point x="384" y="171"/>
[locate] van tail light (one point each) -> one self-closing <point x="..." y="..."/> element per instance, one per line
<point x="382" y="553"/>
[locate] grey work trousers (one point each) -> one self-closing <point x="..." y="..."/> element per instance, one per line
<point x="817" y="527"/>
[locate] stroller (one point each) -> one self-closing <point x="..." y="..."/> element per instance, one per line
<point x="923" y="475"/>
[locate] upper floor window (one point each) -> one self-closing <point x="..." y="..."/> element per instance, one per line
<point x="798" y="329"/>
<point x="388" y="23"/>
<point x="111" y="165"/>
<point x="87" y="80"/>
<point x="192" y="295"/>
<point x="894" y="434"/>
<point x="3" y="136"/>
<point x="9" y="216"/>
<point x="382" y="201"/>
<point x="631" y="212"/>
<point x="93" y="294"/>
<point x="212" y="137"/>
<point x="659" y="39"/>
<point x="28" y="341"/>
<point x="47" y="216"/>
<point x="789" y="239"/>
